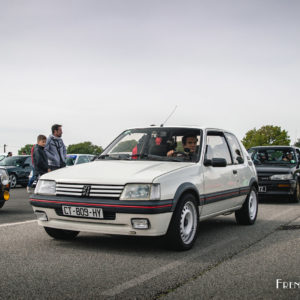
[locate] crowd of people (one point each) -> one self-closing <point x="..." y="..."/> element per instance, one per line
<point x="48" y="154"/>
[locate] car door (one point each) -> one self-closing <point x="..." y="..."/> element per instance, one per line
<point x="220" y="184"/>
<point x="240" y="167"/>
<point x="26" y="168"/>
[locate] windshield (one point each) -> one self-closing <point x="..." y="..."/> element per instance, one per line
<point x="163" y="144"/>
<point x="13" y="161"/>
<point x="273" y="156"/>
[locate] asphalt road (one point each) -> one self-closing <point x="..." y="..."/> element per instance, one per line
<point x="228" y="261"/>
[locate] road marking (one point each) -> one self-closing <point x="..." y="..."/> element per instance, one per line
<point x="18" y="223"/>
<point x="140" y="279"/>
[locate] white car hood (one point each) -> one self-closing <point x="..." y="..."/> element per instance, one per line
<point x="115" y="172"/>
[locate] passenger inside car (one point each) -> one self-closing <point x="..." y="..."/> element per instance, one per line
<point x="289" y="157"/>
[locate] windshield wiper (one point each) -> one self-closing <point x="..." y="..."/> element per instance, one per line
<point x="138" y="155"/>
<point x="104" y="156"/>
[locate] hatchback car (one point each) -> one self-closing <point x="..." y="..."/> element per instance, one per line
<point x="278" y="171"/>
<point x="18" y="168"/>
<point x="4" y="187"/>
<point x="151" y="182"/>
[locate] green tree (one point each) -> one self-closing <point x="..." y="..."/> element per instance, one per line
<point x="297" y="144"/>
<point x="26" y="149"/>
<point x="84" y="148"/>
<point x="265" y="136"/>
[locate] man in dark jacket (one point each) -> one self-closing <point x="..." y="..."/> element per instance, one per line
<point x="39" y="156"/>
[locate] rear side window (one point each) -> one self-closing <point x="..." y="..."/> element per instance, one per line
<point x="217" y="148"/>
<point x="235" y="148"/>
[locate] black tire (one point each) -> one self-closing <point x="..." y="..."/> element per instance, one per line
<point x="1" y="204"/>
<point x="296" y="196"/>
<point x="183" y="228"/>
<point x="61" y="234"/>
<point x="13" y="180"/>
<point x="248" y="213"/>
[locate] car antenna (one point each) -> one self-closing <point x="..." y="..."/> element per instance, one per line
<point x="162" y="125"/>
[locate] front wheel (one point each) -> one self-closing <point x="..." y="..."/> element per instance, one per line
<point x="182" y="232"/>
<point x="248" y="213"/>
<point x="61" y="234"/>
<point x="13" y="181"/>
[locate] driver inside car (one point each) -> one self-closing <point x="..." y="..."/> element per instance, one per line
<point x="189" y="144"/>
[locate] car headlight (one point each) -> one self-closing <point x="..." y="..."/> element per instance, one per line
<point x="281" y="177"/>
<point x="45" y="187"/>
<point x="4" y="177"/>
<point x="141" y="192"/>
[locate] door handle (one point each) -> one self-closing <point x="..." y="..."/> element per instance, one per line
<point x="234" y="171"/>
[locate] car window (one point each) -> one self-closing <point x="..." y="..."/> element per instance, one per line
<point x="165" y="144"/>
<point x="217" y="148"/>
<point x="235" y="148"/>
<point x="270" y="155"/>
<point x="28" y="161"/>
<point x="70" y="161"/>
<point x="82" y="159"/>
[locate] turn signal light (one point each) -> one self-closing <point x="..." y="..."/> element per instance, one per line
<point x="284" y="185"/>
<point x="6" y="195"/>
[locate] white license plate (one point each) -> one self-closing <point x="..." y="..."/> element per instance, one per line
<point x="262" y="189"/>
<point x="87" y="212"/>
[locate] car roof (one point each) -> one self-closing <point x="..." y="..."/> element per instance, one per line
<point x="204" y="128"/>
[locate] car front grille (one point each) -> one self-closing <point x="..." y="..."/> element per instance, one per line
<point x="89" y="190"/>
<point x="263" y="178"/>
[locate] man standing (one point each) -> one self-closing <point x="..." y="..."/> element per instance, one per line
<point x="55" y="148"/>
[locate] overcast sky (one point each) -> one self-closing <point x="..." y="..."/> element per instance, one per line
<point x="99" y="67"/>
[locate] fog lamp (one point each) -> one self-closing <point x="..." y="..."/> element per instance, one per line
<point x="6" y="195"/>
<point x="41" y="215"/>
<point x="140" y="223"/>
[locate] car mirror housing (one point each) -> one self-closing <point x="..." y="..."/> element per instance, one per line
<point x="215" y="162"/>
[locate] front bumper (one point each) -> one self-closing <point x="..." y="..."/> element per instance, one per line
<point x="117" y="215"/>
<point x="282" y="188"/>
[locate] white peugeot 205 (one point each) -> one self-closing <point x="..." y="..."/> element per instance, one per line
<point x="151" y="181"/>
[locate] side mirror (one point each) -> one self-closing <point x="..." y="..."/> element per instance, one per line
<point x="215" y="162"/>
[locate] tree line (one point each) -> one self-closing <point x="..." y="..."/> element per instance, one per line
<point x="265" y="136"/>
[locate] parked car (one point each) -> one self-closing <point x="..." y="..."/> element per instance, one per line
<point x="4" y="187"/>
<point x="18" y="168"/>
<point x="278" y="171"/>
<point x="75" y="159"/>
<point x="151" y="181"/>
